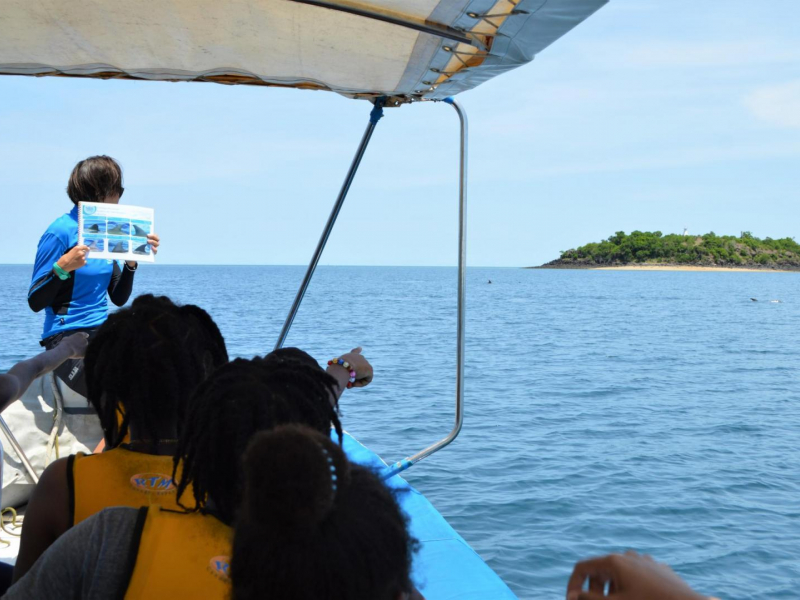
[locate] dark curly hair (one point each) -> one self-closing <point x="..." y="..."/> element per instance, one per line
<point x="144" y="363"/>
<point x="313" y="525"/>
<point x="240" y="399"/>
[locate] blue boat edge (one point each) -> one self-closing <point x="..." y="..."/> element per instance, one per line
<point x="445" y="567"/>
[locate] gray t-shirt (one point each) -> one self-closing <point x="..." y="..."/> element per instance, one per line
<point x="91" y="561"/>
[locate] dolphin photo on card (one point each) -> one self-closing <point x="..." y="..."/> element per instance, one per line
<point x="116" y="231"/>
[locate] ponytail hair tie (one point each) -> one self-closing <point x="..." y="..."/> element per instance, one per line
<point x="292" y="477"/>
<point x="332" y="469"/>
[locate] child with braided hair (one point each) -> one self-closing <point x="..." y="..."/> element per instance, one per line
<point x="172" y="349"/>
<point x="158" y="553"/>
<point x="240" y="399"/>
<point x="245" y="396"/>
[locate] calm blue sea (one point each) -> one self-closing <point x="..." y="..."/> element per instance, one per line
<point x="604" y="410"/>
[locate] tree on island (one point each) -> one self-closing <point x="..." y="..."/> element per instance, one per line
<point x="645" y="247"/>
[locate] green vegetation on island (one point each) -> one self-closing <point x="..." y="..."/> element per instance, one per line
<point x="709" y="250"/>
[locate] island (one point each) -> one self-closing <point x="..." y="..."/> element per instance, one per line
<point x="647" y="250"/>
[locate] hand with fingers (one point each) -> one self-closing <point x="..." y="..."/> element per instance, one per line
<point x="360" y="365"/>
<point x="74" y="258"/>
<point x="76" y="344"/>
<point x="629" y="576"/>
<point x="154" y="241"/>
<point x="19" y="377"/>
<point x="357" y="363"/>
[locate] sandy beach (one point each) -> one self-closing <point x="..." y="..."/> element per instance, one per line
<point x="687" y="268"/>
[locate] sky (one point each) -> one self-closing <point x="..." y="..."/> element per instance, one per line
<point x="650" y="115"/>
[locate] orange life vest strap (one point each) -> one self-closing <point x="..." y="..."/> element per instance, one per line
<point x="181" y="555"/>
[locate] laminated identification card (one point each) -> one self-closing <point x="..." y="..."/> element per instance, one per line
<point x="116" y="231"/>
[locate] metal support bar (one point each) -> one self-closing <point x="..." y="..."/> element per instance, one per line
<point x="18" y="449"/>
<point x="404" y="464"/>
<point x="374" y="117"/>
<point x="437" y="29"/>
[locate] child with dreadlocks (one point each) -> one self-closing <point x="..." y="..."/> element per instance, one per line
<point x="171" y="349"/>
<point x="159" y="553"/>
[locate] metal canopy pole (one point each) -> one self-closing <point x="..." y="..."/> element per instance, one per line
<point x="404" y="464"/>
<point x="374" y="117"/>
<point x="437" y="29"/>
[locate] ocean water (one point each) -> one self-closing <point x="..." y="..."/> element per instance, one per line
<point x="658" y="411"/>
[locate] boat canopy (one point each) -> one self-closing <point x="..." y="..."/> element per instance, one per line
<point x="405" y="50"/>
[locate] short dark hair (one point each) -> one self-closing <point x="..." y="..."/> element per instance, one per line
<point x="314" y="525"/>
<point x="94" y="179"/>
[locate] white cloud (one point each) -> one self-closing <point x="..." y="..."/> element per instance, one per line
<point x="777" y="104"/>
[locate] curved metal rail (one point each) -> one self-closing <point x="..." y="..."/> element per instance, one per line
<point x="406" y="463"/>
<point x="375" y="116"/>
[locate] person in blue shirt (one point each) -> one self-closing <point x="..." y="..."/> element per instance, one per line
<point x="70" y="289"/>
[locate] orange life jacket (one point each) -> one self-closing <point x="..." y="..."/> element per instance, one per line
<point x="181" y="555"/>
<point x="121" y="477"/>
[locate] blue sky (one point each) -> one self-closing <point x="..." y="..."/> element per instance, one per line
<point x="650" y="115"/>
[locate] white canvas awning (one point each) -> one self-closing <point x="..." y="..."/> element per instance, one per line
<point x="407" y="49"/>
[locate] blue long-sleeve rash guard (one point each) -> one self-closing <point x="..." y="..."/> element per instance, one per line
<point x="80" y="301"/>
